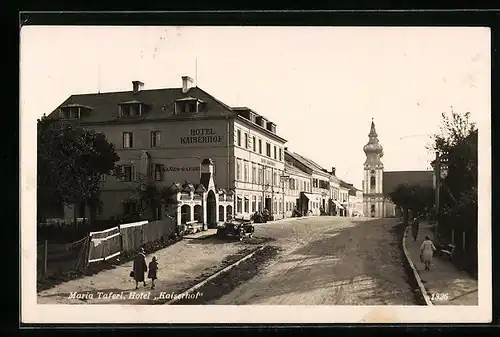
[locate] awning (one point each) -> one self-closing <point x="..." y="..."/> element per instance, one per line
<point x="338" y="204"/>
<point x="308" y="195"/>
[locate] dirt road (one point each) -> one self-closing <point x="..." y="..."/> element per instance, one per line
<point x="326" y="260"/>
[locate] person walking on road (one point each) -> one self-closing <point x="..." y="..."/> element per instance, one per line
<point x="152" y="269"/>
<point x="427" y="250"/>
<point x="140" y="268"/>
<point x="415" y="226"/>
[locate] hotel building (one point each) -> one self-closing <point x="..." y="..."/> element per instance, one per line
<point x="166" y="133"/>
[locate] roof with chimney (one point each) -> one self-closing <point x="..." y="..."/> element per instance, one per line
<point x="159" y="103"/>
<point x="391" y="180"/>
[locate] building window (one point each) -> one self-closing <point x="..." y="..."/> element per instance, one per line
<point x="187" y="106"/>
<point x="281" y="154"/>
<point x="260" y="146"/>
<point x="254" y="144"/>
<point x="98" y="209"/>
<point x="130" y="109"/>
<point x="315" y="183"/>
<point x="238" y="205"/>
<point x="276" y="181"/>
<point x="246" y="205"/>
<point x="275" y="153"/>
<point x="247" y="141"/>
<point x="268" y="149"/>
<point x="254" y="174"/>
<point x="238" y="136"/>
<point x="259" y="203"/>
<point x="254" y="203"/>
<point x="129" y="208"/>
<point x="128" y="140"/>
<point x="372" y="182"/>
<point x="261" y="175"/>
<point x="155" y="139"/>
<point x="102" y="177"/>
<point x="245" y="172"/>
<point x="238" y="170"/>
<point x="268" y="178"/>
<point x="70" y="112"/>
<point x="127" y="173"/>
<point x="275" y="207"/>
<point x="158" y="172"/>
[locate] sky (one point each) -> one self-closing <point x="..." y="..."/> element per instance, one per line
<point x="321" y="85"/>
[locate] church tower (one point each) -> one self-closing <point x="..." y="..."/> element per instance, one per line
<point x="373" y="197"/>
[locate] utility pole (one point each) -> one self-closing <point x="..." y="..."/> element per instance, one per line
<point x="437" y="170"/>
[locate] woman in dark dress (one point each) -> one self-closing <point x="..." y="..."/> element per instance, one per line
<point x="140" y="268"/>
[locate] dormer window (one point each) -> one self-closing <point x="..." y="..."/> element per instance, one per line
<point x="73" y="111"/>
<point x="190" y="105"/>
<point x="131" y="109"/>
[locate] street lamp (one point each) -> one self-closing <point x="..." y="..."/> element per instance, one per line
<point x="440" y="166"/>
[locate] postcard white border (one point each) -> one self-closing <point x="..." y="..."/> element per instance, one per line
<point x="31" y="312"/>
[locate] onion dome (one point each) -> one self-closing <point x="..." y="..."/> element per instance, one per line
<point x="373" y="146"/>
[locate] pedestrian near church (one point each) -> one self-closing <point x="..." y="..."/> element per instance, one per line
<point x="139" y="268"/>
<point x="415" y="226"/>
<point x="152" y="270"/>
<point x="427" y="250"/>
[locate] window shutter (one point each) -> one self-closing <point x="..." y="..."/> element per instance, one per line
<point x="131" y="135"/>
<point x="161" y="171"/>
<point x="151" y="171"/>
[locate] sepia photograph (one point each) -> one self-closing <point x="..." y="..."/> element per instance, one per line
<point x="190" y="174"/>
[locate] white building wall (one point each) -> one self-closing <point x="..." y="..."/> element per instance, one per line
<point x="251" y="186"/>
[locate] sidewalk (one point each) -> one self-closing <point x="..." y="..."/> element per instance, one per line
<point x="180" y="265"/>
<point x="445" y="284"/>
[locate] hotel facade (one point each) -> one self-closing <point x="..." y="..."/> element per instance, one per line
<point x="165" y="134"/>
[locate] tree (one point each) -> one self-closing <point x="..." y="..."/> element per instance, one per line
<point x="148" y="196"/>
<point x="412" y="197"/>
<point x="454" y="128"/>
<point x="71" y="161"/>
<point x="457" y="141"/>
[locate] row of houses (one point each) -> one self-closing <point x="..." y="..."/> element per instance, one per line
<point x="166" y="135"/>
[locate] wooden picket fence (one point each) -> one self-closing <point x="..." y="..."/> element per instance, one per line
<point x="112" y="242"/>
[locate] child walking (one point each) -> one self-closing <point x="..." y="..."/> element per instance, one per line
<point x="153" y="268"/>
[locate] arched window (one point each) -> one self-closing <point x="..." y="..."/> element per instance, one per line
<point x="221" y="213"/>
<point x="372" y="182"/>
<point x="198" y="213"/>
<point x="229" y="212"/>
<point x="185" y="213"/>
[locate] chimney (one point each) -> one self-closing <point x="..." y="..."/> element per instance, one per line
<point x="137" y="86"/>
<point x="333" y="170"/>
<point x="186" y="80"/>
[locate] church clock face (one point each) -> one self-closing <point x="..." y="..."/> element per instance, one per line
<point x="372" y="171"/>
